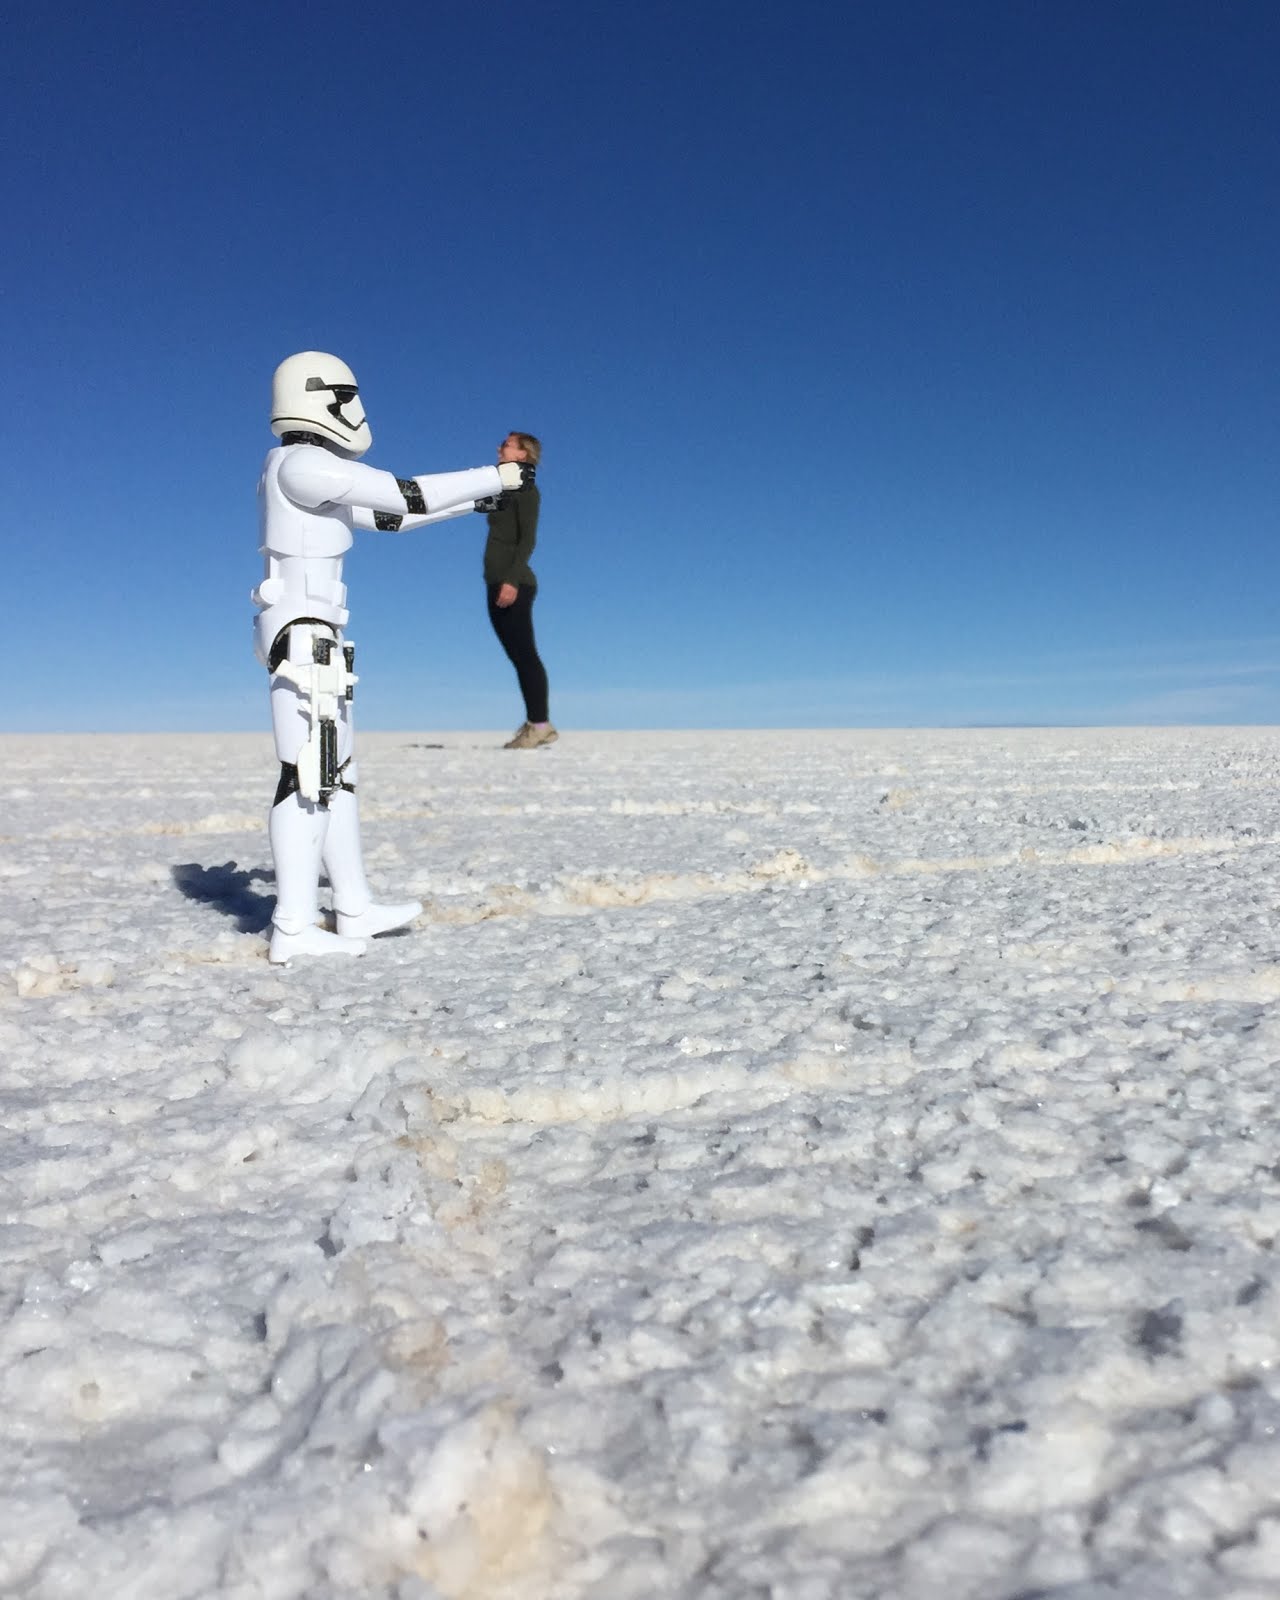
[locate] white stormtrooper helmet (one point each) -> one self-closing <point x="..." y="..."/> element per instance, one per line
<point x="317" y="393"/>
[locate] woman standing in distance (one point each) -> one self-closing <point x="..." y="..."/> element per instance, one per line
<point x="512" y="589"/>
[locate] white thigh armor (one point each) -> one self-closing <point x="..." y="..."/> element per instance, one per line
<point x="319" y="667"/>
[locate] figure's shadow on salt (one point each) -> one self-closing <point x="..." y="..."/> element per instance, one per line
<point x="228" y="889"/>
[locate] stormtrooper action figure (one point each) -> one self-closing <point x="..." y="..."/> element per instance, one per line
<point x="313" y="492"/>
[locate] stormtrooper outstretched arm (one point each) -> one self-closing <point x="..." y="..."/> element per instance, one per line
<point x="312" y="476"/>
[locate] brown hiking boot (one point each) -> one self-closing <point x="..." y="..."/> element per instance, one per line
<point x="530" y="738"/>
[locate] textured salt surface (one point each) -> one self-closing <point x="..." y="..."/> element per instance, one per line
<point x="795" y="1165"/>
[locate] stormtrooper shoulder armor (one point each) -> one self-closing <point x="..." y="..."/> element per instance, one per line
<point x="312" y="476"/>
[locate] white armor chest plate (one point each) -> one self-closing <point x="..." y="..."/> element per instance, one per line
<point x="302" y="548"/>
<point x="289" y="529"/>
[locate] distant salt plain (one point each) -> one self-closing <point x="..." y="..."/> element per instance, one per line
<point x="792" y="1165"/>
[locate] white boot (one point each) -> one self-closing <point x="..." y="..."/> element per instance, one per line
<point x="356" y="914"/>
<point x="378" y="919"/>
<point x="312" y="942"/>
<point x="298" y="830"/>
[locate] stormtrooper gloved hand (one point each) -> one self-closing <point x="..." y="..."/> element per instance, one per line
<point x="491" y="502"/>
<point x="517" y="474"/>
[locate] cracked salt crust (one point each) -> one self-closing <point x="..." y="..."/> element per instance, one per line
<point x="824" y="1164"/>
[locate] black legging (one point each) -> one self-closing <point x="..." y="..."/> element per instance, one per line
<point x="514" y="626"/>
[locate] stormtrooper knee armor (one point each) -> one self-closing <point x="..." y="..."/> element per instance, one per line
<point x="313" y="492"/>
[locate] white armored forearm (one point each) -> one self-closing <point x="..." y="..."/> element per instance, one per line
<point x="441" y="489"/>
<point x="314" y="477"/>
<point x="437" y="485"/>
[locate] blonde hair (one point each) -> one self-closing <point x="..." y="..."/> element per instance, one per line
<point x="530" y="444"/>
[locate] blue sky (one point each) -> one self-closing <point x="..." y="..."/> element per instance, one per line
<point x="910" y="363"/>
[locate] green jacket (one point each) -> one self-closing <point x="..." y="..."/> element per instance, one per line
<point x="513" y="532"/>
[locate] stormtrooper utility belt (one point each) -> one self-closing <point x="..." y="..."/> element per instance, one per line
<point x="323" y="676"/>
